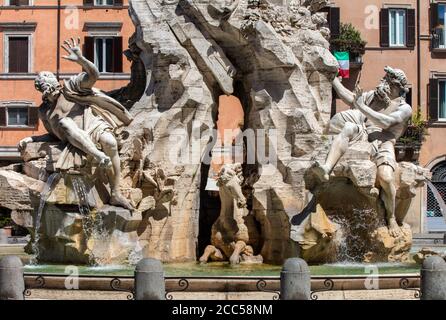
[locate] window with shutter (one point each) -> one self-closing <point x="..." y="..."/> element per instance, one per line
<point x="441" y="113"/>
<point x="433" y="99"/>
<point x="384" y="27"/>
<point x="333" y="19"/>
<point x="18" y="54"/>
<point x="19" y="2"/>
<point x="117" y="54"/>
<point x="89" y="48"/>
<point x="17" y="116"/>
<point x="438" y="24"/>
<point x="409" y="97"/>
<point x="105" y="52"/>
<point x="334" y="16"/>
<point x="104" y="2"/>
<point x="397" y="27"/>
<point x="88" y="2"/>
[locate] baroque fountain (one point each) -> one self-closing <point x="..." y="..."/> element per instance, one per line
<point x="122" y="175"/>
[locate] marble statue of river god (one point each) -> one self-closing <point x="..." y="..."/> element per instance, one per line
<point x="84" y="118"/>
<point x="380" y="117"/>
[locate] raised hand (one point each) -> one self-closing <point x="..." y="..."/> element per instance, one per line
<point x="358" y="100"/>
<point x="73" y="49"/>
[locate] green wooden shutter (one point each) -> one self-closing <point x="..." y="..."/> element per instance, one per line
<point x="117" y="54"/>
<point x="384" y="28"/>
<point x="434" y="21"/>
<point x="2" y="116"/>
<point x="411" y="28"/>
<point x="334" y="17"/>
<point x="89" y="48"/>
<point x="433" y="99"/>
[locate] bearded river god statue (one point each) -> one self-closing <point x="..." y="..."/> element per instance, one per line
<point x="380" y="117"/>
<point x="111" y="184"/>
<point x="376" y="120"/>
<point x="85" y="119"/>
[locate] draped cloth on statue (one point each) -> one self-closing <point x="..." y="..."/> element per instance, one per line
<point x="101" y="113"/>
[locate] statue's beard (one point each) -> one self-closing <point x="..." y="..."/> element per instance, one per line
<point x="382" y="93"/>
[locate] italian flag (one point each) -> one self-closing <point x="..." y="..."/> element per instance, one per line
<point x="343" y="58"/>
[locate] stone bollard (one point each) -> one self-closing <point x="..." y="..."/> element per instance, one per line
<point x="12" y="282"/>
<point x="295" y="280"/>
<point x="149" y="280"/>
<point x="433" y="279"/>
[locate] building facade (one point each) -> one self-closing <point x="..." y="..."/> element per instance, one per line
<point x="31" y="35"/>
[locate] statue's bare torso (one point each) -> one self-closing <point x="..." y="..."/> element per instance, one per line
<point x="393" y="133"/>
<point x="52" y="113"/>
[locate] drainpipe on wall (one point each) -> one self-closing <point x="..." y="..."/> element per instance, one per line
<point x="58" y="41"/>
<point x="418" y="57"/>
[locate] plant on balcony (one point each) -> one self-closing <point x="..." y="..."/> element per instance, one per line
<point x="416" y="131"/>
<point x="349" y="40"/>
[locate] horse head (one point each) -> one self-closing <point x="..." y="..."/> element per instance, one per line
<point x="231" y="179"/>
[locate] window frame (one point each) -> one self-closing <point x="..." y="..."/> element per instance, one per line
<point x="404" y="11"/>
<point x="24" y="104"/>
<point x="437" y="46"/>
<point x="95" y="3"/>
<point x="441" y="80"/>
<point x="104" y="52"/>
<point x="17" y="125"/>
<point x="7" y="3"/>
<point x="12" y="34"/>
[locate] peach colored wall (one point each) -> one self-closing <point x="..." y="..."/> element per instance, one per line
<point x="230" y="117"/>
<point x="44" y="52"/>
<point x="364" y="15"/>
<point x="435" y="144"/>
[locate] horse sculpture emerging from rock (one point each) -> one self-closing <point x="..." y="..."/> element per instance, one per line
<point x="234" y="235"/>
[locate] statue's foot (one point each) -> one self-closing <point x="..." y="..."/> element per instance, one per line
<point x="321" y="171"/>
<point x="394" y="229"/>
<point x="117" y="199"/>
<point x="203" y="260"/>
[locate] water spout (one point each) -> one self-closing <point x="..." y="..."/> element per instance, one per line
<point x="50" y="184"/>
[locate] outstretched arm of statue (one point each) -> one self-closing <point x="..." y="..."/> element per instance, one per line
<point x="43" y="138"/>
<point x="91" y="73"/>
<point x="383" y="121"/>
<point x="346" y="95"/>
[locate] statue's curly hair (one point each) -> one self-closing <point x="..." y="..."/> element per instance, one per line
<point x="46" y="82"/>
<point x="397" y="77"/>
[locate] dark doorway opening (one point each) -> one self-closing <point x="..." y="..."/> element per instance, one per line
<point x="209" y="211"/>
